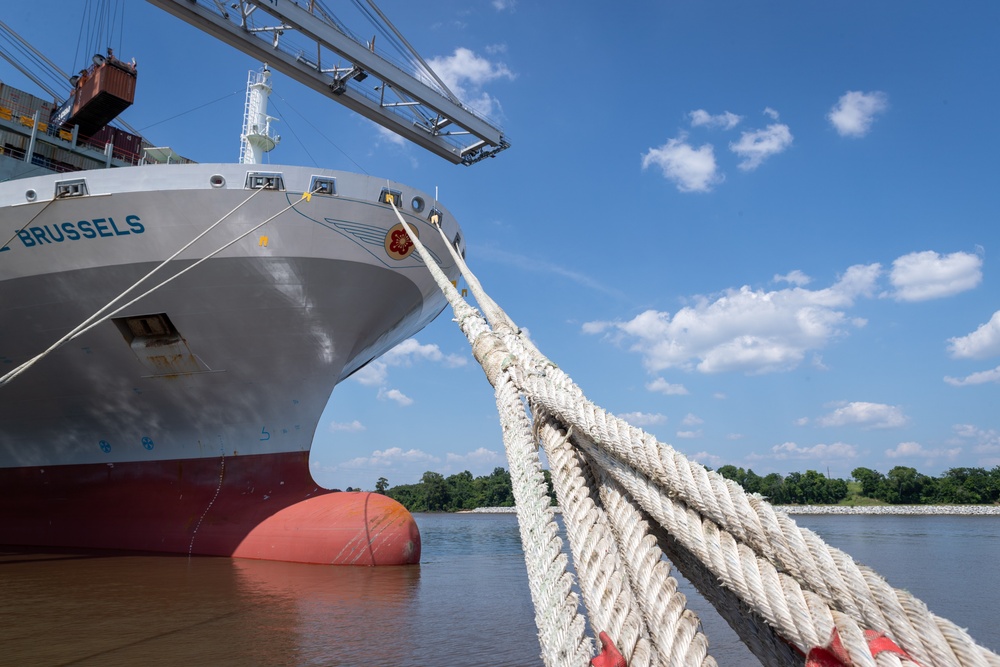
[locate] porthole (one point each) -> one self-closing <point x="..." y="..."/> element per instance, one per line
<point x="418" y="204"/>
<point x="217" y="180"/>
<point x="31" y="195"/>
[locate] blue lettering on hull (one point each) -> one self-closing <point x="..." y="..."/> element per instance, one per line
<point x="98" y="228"/>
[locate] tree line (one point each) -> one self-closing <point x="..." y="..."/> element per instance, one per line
<point x="900" y="486"/>
<point x="461" y="491"/>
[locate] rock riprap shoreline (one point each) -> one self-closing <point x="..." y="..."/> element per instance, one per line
<point x="916" y="510"/>
<point x="966" y="510"/>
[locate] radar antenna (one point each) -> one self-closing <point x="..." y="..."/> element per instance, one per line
<point x="304" y="42"/>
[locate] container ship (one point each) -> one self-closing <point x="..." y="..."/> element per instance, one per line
<point x="174" y="412"/>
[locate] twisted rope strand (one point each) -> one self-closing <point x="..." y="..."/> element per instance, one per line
<point x="608" y="596"/>
<point x="560" y="627"/>
<point x="674" y="630"/>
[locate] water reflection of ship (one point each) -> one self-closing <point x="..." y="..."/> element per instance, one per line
<point x="314" y="609"/>
<point x="74" y="607"/>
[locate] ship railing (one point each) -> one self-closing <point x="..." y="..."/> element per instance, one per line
<point x="25" y="116"/>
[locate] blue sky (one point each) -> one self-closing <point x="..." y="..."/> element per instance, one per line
<point x="764" y="232"/>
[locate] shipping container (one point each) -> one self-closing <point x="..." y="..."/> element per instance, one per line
<point x="21" y="103"/>
<point x="107" y="89"/>
<point x="128" y="142"/>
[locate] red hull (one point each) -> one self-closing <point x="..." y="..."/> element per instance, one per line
<point x="264" y="507"/>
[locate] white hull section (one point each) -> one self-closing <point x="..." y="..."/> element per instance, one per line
<point x="253" y="340"/>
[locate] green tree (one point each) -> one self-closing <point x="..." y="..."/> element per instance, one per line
<point x="772" y="487"/>
<point x="382" y="485"/>
<point x="435" y="491"/>
<point x="869" y="480"/>
<point x="738" y="475"/>
<point x="903" y="486"/>
<point x="547" y="476"/>
<point x="462" y="491"/>
<point x="410" y="496"/>
<point x="496" y="489"/>
<point x="964" y="486"/>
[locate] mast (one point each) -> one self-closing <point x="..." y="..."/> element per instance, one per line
<point x="256" y="138"/>
<point x="416" y="106"/>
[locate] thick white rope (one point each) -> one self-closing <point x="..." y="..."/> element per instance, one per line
<point x="674" y="629"/>
<point x="97" y="318"/>
<point x="623" y="622"/>
<point x="560" y="627"/>
<point x="828" y="572"/>
<point x="607" y="593"/>
<point x="806" y="590"/>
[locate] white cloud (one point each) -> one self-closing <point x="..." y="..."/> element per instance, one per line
<point x="478" y="458"/>
<point x="770" y="113"/>
<point x="916" y="450"/>
<point x="984" y="441"/>
<point x="745" y="330"/>
<point x="350" y="426"/>
<point x="501" y="5"/>
<point x="755" y="147"/>
<point x="795" y="277"/>
<point x="982" y="343"/>
<point x="372" y="375"/>
<point x="920" y="276"/>
<point x="663" y="387"/>
<point x="790" y="450"/>
<point x="725" y="120"/>
<point x="641" y="419"/>
<point x="376" y="373"/>
<point x="688" y="435"/>
<point x="394" y="395"/>
<point x="868" y="415"/>
<point x="464" y="73"/>
<point x="388" y="458"/>
<point x="854" y="112"/>
<point x="385" y="135"/>
<point x="409" y="349"/>
<point x="982" y="377"/>
<point x="707" y="459"/>
<point x="691" y="419"/>
<point x="690" y="169"/>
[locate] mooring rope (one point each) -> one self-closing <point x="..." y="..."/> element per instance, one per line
<point x="627" y="500"/>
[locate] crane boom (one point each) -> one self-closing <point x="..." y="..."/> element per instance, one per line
<point x="399" y="101"/>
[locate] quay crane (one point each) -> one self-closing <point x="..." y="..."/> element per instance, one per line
<point x="304" y="42"/>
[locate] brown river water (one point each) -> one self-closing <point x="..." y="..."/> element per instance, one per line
<point x="467" y="603"/>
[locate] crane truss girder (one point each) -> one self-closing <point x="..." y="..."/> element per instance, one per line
<point x="401" y="102"/>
